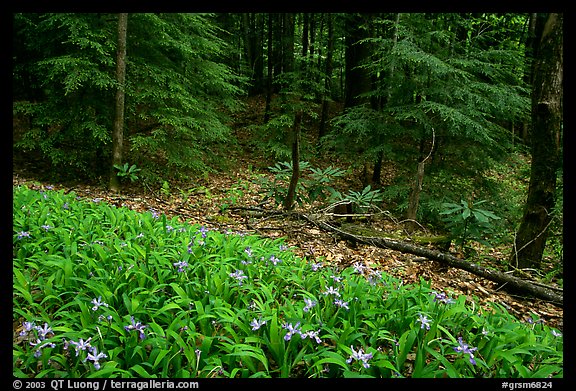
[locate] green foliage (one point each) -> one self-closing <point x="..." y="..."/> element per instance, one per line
<point x="466" y="221"/>
<point x="127" y="171"/>
<point x="362" y="201"/>
<point x="177" y="91"/>
<point x="439" y="78"/>
<point x="161" y="298"/>
<point x="313" y="185"/>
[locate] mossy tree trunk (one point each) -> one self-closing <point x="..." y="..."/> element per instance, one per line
<point x="546" y="129"/>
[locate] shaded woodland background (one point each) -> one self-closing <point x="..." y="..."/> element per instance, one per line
<point x="425" y="110"/>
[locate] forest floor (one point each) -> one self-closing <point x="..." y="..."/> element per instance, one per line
<point x="220" y="201"/>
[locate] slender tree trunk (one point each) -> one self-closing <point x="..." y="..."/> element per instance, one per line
<point x="546" y="129"/>
<point x="289" y="201"/>
<point x="288" y="39"/>
<point x="118" y="131"/>
<point x="358" y="80"/>
<point x="323" y="127"/>
<point x="305" y="24"/>
<point x="312" y="34"/>
<point x="376" y="175"/>
<point x="414" y="201"/>
<point x="270" y="71"/>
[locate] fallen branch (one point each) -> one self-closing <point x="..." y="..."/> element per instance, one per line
<point x="514" y="283"/>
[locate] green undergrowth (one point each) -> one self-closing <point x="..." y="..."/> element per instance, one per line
<point x="100" y="291"/>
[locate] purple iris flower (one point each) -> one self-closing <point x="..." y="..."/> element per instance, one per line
<point x="136" y="326"/>
<point x="464" y="348"/>
<point x="360" y="356"/>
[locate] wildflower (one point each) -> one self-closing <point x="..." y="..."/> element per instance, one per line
<point x="38" y="352"/>
<point x="28" y="326"/>
<point x="275" y="260"/>
<point x="336" y="278"/>
<point x="65" y="206"/>
<point x="239" y="275"/>
<point x="374" y="276"/>
<point x="140" y="235"/>
<point x="154" y="213"/>
<point x="81" y="345"/>
<point x="198" y="353"/>
<point x="49" y="187"/>
<point x="23" y="234"/>
<point x="256" y="324"/>
<point x="425" y="322"/>
<point x="181" y="265"/>
<point x="248" y="251"/>
<point x="316" y="266"/>
<point x="291" y="330"/>
<point x="136" y="326"/>
<point x="341" y="303"/>
<point x="204" y="231"/>
<point x="311" y="334"/>
<point x="442" y="297"/>
<point x="331" y="291"/>
<point x="283" y="247"/>
<point x="169" y="228"/>
<point x="556" y="333"/>
<point x="360" y="356"/>
<point x="97" y="303"/>
<point x="309" y="304"/>
<point x="94" y="356"/>
<point x="359" y="267"/>
<point x="46" y="227"/>
<point x="43" y="331"/>
<point x="464" y="348"/>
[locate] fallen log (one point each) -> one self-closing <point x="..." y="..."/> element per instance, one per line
<point x="512" y="282"/>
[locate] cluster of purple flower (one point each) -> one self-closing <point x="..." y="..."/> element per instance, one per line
<point x="295" y="329"/>
<point x="23" y="234"/>
<point x="238" y="275"/>
<point x="442" y="297"/>
<point x="181" y="265"/>
<point x="92" y="351"/>
<point x="136" y="326"/>
<point x="464" y="348"/>
<point x="42" y="334"/>
<point x="360" y="356"/>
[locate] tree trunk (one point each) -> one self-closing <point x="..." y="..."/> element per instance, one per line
<point x="288" y="40"/>
<point x="289" y="201"/>
<point x="252" y="28"/>
<point x="414" y="201"/>
<point x="118" y="131"/>
<point x="270" y="70"/>
<point x="358" y="80"/>
<point x="546" y="128"/>
<point x="323" y="127"/>
<point x="305" y="34"/>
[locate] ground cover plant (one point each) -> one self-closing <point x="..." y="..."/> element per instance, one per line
<point x="100" y="291"/>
